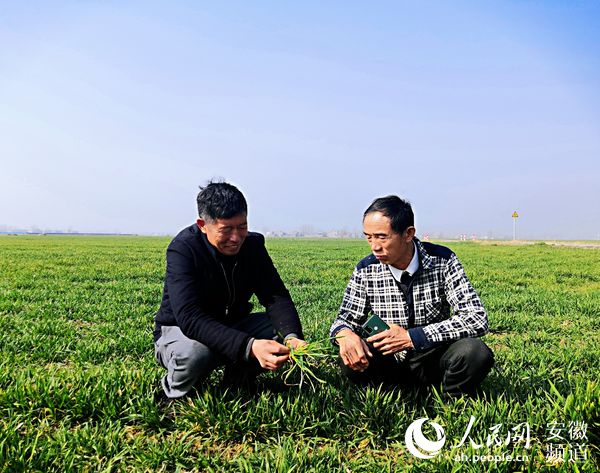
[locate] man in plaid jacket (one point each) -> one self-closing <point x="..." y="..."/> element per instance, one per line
<point x="423" y="294"/>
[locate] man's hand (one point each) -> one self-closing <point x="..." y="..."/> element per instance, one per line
<point x="353" y="350"/>
<point x="295" y="343"/>
<point x="391" y="340"/>
<point x="270" y="354"/>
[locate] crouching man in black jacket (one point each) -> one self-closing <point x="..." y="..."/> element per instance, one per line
<point x="204" y="321"/>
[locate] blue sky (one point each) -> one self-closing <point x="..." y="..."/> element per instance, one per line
<point x="112" y="113"/>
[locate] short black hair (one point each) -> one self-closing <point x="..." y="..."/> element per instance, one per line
<point x="220" y="200"/>
<point x="398" y="210"/>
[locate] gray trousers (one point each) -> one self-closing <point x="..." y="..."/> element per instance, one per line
<point x="189" y="362"/>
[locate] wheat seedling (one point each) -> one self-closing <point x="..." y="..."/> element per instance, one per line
<point x="304" y="361"/>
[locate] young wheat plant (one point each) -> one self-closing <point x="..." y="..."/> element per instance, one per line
<point x="304" y="361"/>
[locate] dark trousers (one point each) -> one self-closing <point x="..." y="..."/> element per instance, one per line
<point x="459" y="367"/>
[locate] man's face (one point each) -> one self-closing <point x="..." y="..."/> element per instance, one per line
<point x="226" y="234"/>
<point x="388" y="247"/>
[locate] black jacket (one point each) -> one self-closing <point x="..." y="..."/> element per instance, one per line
<point x="204" y="295"/>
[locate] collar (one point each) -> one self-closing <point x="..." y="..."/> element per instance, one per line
<point x="425" y="260"/>
<point x="412" y="267"/>
<point x="212" y="251"/>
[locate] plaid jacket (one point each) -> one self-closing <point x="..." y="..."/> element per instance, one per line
<point x="439" y="285"/>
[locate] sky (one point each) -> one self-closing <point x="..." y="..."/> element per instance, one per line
<point x="113" y="113"/>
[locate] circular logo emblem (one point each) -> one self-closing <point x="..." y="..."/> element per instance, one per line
<point x="420" y="446"/>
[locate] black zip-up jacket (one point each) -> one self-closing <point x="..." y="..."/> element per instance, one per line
<point x="205" y="297"/>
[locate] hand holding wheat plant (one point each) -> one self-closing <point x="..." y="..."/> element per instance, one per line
<point x="304" y="360"/>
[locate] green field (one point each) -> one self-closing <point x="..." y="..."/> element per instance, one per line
<point x="77" y="372"/>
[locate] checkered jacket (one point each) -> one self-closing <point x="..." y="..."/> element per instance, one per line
<point x="446" y="307"/>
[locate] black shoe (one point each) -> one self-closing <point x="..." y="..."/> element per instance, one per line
<point x="166" y="405"/>
<point x="237" y="379"/>
<point x="274" y="385"/>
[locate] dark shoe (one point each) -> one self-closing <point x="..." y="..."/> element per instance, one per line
<point x="239" y="380"/>
<point x="166" y="405"/>
<point x="274" y="385"/>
